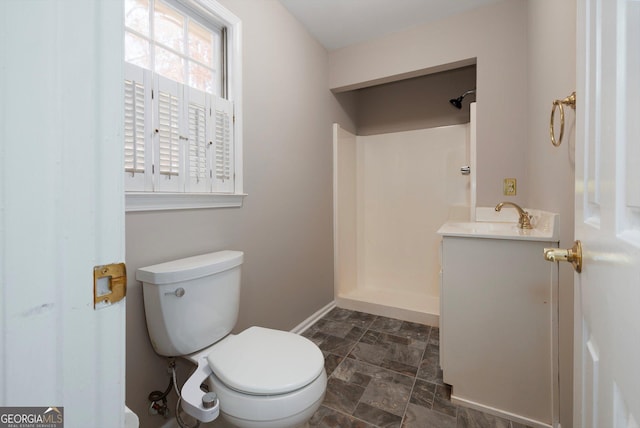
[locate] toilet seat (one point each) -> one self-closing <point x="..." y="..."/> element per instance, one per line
<point x="262" y="361"/>
<point x="255" y="364"/>
<point x="270" y="411"/>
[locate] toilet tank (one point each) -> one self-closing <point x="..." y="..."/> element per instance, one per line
<point x="191" y="303"/>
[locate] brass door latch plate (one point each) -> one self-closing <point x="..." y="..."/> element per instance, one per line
<point x="109" y="284"/>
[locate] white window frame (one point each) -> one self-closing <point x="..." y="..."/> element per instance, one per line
<point x="155" y="201"/>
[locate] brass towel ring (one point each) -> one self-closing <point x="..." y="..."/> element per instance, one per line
<point x="568" y="101"/>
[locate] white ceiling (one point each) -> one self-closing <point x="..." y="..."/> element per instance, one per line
<point x="339" y="23"/>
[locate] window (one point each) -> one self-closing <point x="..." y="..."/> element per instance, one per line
<point x="183" y="117"/>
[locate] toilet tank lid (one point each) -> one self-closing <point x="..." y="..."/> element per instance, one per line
<point x="190" y="268"/>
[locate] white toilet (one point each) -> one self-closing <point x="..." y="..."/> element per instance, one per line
<point x="262" y="377"/>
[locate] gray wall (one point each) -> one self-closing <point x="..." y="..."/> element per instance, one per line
<point x="285" y="225"/>
<point x="494" y="37"/>
<point x="551" y="171"/>
<point x="417" y="103"/>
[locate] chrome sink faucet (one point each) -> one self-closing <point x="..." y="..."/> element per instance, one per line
<point x="525" y="219"/>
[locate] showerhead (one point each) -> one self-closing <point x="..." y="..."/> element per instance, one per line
<point x="457" y="102"/>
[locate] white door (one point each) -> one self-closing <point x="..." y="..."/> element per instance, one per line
<point x="61" y="207"/>
<point x="607" y="296"/>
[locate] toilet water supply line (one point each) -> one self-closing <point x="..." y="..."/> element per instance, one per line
<point x="159" y="399"/>
<point x="156" y="396"/>
<point x="182" y="423"/>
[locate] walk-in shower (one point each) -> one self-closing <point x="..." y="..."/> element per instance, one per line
<point x="457" y="102"/>
<point x="386" y="249"/>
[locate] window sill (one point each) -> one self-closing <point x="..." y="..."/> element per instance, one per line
<point x="151" y="201"/>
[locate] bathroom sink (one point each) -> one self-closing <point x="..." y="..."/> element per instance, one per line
<point x="504" y="225"/>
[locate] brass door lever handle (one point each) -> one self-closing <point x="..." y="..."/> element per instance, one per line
<point x="571" y="255"/>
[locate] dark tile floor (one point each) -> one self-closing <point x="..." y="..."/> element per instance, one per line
<point x="384" y="372"/>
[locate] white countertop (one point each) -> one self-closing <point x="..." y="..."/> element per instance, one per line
<point x="504" y="225"/>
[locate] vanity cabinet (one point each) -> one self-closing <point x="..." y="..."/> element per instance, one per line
<point x="499" y="323"/>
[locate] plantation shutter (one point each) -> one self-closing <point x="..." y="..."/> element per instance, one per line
<point x="176" y="138"/>
<point x="134" y="126"/>
<point x="169" y="131"/>
<point x="198" y="168"/>
<point x="169" y="143"/>
<point x="137" y="144"/>
<point x="223" y="143"/>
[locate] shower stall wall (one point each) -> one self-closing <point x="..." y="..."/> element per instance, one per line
<point x="391" y="194"/>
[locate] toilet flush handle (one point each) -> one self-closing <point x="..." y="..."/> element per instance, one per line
<point x="179" y="292"/>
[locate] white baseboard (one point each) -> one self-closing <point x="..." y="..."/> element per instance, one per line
<point x="304" y="325"/>
<point x="500" y="413"/>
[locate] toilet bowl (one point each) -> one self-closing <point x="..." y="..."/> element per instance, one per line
<point x="261" y="377"/>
